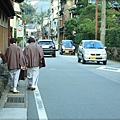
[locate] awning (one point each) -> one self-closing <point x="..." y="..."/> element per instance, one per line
<point x="7" y="8"/>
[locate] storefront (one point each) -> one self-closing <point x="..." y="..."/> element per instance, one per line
<point x="6" y="11"/>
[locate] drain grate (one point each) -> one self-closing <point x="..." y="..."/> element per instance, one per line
<point x="15" y="100"/>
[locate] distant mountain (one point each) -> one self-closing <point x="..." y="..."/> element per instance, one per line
<point x="42" y="6"/>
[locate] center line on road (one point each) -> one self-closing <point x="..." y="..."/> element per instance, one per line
<point x="40" y="106"/>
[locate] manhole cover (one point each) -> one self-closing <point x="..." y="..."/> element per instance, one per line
<point x="15" y="100"/>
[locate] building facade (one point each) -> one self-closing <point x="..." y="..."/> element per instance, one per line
<point x="61" y="11"/>
<point x="6" y="11"/>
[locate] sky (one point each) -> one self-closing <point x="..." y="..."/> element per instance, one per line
<point x="40" y="5"/>
<point x="35" y="1"/>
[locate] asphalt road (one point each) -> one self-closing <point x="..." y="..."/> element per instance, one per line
<point x="71" y="90"/>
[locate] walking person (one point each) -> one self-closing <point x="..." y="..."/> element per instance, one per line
<point x="34" y="56"/>
<point x="14" y="58"/>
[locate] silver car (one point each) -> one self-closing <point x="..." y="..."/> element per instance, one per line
<point x="92" y="50"/>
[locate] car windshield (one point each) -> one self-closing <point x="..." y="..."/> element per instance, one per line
<point x="67" y="43"/>
<point x="93" y="45"/>
<point x="45" y="42"/>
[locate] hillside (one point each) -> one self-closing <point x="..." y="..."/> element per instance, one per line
<point x="42" y="5"/>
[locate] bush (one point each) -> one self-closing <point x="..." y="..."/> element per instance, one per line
<point x="112" y="38"/>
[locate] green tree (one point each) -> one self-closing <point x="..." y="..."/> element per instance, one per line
<point x="85" y="20"/>
<point x="112" y="18"/>
<point x="29" y="11"/>
<point x="70" y="26"/>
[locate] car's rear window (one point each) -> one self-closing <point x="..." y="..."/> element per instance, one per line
<point x="45" y="42"/>
<point x="93" y="44"/>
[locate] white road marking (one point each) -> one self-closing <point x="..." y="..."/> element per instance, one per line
<point x="69" y="56"/>
<point x="113" y="69"/>
<point x="118" y="70"/>
<point x="40" y="106"/>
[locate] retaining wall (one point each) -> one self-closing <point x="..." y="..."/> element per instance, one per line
<point x="3" y="78"/>
<point x="113" y="53"/>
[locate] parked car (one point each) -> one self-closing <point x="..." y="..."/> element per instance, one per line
<point x="91" y="50"/>
<point x="48" y="47"/>
<point x="67" y="47"/>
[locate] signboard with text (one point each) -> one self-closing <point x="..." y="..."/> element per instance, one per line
<point x="20" y="31"/>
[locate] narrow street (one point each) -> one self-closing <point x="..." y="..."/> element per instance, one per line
<point x="71" y="90"/>
<point x="68" y="89"/>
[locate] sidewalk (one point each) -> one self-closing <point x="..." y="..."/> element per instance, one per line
<point x="14" y="106"/>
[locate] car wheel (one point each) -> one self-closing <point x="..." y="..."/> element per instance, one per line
<point x="54" y="55"/>
<point x="83" y="61"/>
<point x="79" y="60"/>
<point x="104" y="62"/>
<point x="61" y="53"/>
<point x="98" y="62"/>
<point x="74" y="53"/>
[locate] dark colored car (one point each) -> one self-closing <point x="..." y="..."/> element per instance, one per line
<point x="67" y="47"/>
<point x="48" y="47"/>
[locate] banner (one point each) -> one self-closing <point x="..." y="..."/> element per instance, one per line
<point x="20" y="31"/>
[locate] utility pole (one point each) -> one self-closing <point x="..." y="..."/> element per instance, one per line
<point x="58" y="22"/>
<point x="96" y="26"/>
<point x="41" y="23"/>
<point x="103" y="22"/>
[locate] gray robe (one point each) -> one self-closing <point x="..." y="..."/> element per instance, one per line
<point x="33" y="55"/>
<point x="14" y="57"/>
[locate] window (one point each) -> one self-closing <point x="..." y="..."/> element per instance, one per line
<point x="91" y="44"/>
